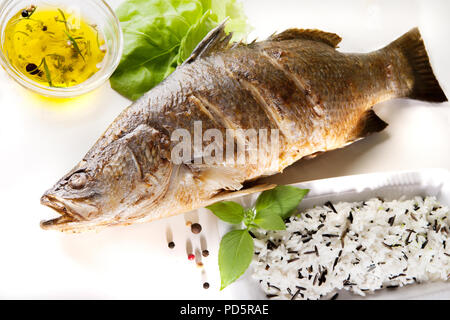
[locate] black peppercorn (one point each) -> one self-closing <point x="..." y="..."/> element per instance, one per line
<point x="196" y="228"/>
<point x="44" y="28"/>
<point x="25" y="14"/>
<point x="205" y="253"/>
<point x="206" y="286"/>
<point x="172" y="245"/>
<point x="32" y="68"/>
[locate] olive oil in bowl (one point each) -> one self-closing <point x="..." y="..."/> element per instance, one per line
<point x="53" y="47"/>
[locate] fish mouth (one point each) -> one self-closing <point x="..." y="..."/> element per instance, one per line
<point x="66" y="210"/>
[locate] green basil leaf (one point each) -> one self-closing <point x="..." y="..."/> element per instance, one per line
<point x="269" y="220"/>
<point x="282" y="201"/>
<point x="235" y="256"/>
<point x="228" y="211"/>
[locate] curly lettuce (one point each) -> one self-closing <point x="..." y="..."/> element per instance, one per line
<point x="159" y="35"/>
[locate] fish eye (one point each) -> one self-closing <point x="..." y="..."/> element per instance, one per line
<point x="78" y="181"/>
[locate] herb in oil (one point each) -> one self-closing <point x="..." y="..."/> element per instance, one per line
<point x="53" y="47"/>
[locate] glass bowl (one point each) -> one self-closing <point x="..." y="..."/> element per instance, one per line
<point x="95" y="12"/>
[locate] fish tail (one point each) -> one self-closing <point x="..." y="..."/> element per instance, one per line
<point x="426" y="87"/>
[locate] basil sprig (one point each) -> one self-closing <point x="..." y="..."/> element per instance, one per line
<point x="269" y="213"/>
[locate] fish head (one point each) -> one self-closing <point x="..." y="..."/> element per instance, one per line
<point x="127" y="175"/>
<point x="75" y="197"/>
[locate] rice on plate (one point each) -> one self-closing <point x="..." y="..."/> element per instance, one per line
<point x="359" y="246"/>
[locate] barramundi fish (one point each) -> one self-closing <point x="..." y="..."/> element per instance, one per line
<point x="295" y="84"/>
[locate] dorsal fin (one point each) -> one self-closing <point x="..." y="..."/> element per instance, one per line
<point x="331" y="39"/>
<point x="216" y="40"/>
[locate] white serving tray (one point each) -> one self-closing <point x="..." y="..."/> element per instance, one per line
<point x="389" y="186"/>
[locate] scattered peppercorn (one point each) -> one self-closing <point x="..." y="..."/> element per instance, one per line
<point x="171" y="245"/>
<point x="205" y="253"/>
<point x="191" y="257"/>
<point x="196" y="228"/>
<point x="44" y="28"/>
<point x="206" y="286"/>
<point x="25" y="13"/>
<point x="200" y="264"/>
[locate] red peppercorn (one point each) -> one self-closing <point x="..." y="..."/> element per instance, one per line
<point x="191" y="257"/>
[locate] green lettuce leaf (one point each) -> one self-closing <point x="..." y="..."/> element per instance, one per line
<point x="196" y="34"/>
<point x="159" y="35"/>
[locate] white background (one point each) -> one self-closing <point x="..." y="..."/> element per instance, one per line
<point x="41" y="139"/>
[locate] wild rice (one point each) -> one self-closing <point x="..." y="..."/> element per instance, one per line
<point x="386" y="246"/>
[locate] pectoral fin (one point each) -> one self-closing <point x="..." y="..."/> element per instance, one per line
<point x="228" y="195"/>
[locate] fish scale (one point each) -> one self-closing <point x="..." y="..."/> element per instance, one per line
<point x="297" y="81"/>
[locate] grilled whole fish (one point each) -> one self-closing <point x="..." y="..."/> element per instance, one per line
<point x="297" y="82"/>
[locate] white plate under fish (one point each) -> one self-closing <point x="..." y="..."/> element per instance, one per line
<point x="389" y="186"/>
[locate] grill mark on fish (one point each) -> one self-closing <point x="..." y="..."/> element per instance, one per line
<point x="215" y="109"/>
<point x="201" y="106"/>
<point x="268" y="110"/>
<point x="260" y="101"/>
<point x="228" y="124"/>
<point x="272" y="89"/>
<point x="314" y="101"/>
